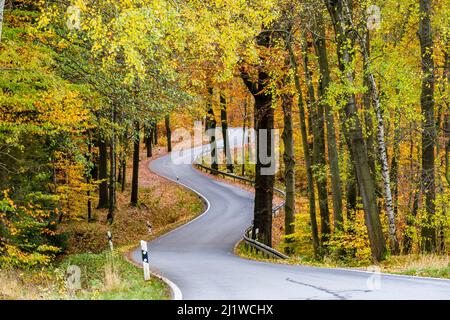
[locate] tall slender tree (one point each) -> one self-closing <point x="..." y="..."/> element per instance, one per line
<point x="168" y="132"/>
<point x="318" y="152"/>
<point x="289" y="163"/>
<point x="264" y="124"/>
<point x="224" y="124"/>
<point x="305" y="145"/>
<point x="341" y="15"/>
<point x="320" y="47"/>
<point x="210" y="127"/>
<point x="428" y="131"/>
<point x="135" y="177"/>
<point x="103" y="173"/>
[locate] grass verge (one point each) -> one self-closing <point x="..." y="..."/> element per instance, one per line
<point x="423" y="265"/>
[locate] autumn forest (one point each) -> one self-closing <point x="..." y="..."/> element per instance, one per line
<point x="92" y="91"/>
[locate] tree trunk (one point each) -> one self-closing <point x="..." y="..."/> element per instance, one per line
<point x="265" y="172"/>
<point x="428" y="232"/>
<point x="351" y="195"/>
<point x="289" y="167"/>
<point x="318" y="158"/>
<point x="395" y="163"/>
<point x="447" y="122"/>
<point x="124" y="173"/>
<point x="211" y="130"/>
<point x="89" y="176"/>
<point x="341" y="16"/>
<point x="367" y="106"/>
<point x="410" y="217"/>
<point x="148" y="141"/>
<point x="333" y="158"/>
<point x="381" y="149"/>
<point x="155" y="133"/>
<point x="168" y="133"/>
<point x="112" y="171"/>
<point x="224" y="123"/>
<point x="119" y="169"/>
<point x="243" y="136"/>
<point x="306" y="151"/>
<point x="103" y="173"/>
<point x="264" y="181"/>
<point x="135" y="178"/>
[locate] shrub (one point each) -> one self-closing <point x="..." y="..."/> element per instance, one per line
<point x="27" y="231"/>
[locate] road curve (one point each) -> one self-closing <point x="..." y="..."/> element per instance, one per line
<point x="198" y="257"/>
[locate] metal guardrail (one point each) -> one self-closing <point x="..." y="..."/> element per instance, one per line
<point x="249" y="241"/>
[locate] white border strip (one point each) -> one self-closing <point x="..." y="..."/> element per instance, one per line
<point x="405" y="276"/>
<point x="176" y="292"/>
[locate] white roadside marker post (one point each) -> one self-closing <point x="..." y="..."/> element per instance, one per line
<point x="111" y="246"/>
<point x="145" y="264"/>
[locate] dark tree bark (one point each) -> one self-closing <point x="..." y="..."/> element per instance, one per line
<point x="351" y="196"/>
<point x="306" y="151"/>
<point x="244" y="125"/>
<point x="414" y="195"/>
<point x="211" y="130"/>
<point x="323" y="84"/>
<point x="112" y="171"/>
<point x="382" y="149"/>
<point x="135" y="178"/>
<point x="89" y="176"/>
<point x="340" y="12"/>
<point x="123" y="159"/>
<point x="368" y="119"/>
<point x="289" y="166"/>
<point x="102" y="173"/>
<point x="155" y="133"/>
<point x="148" y="141"/>
<point x="447" y="122"/>
<point x="168" y="133"/>
<point x="318" y="156"/>
<point x="395" y="163"/>
<point x="265" y="172"/>
<point x="119" y="170"/>
<point x="224" y="124"/>
<point x="124" y="174"/>
<point x="428" y="232"/>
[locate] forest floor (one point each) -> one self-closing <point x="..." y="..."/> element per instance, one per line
<point x="427" y="265"/>
<point x="163" y="203"/>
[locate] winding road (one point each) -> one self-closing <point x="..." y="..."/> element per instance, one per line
<point x="198" y="256"/>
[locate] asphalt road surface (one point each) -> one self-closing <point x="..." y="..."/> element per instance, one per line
<point x="198" y="257"/>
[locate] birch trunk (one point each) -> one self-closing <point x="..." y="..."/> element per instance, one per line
<point x="381" y="149"/>
<point x="341" y="17"/>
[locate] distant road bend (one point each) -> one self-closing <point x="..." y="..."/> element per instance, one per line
<point x="198" y="257"/>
